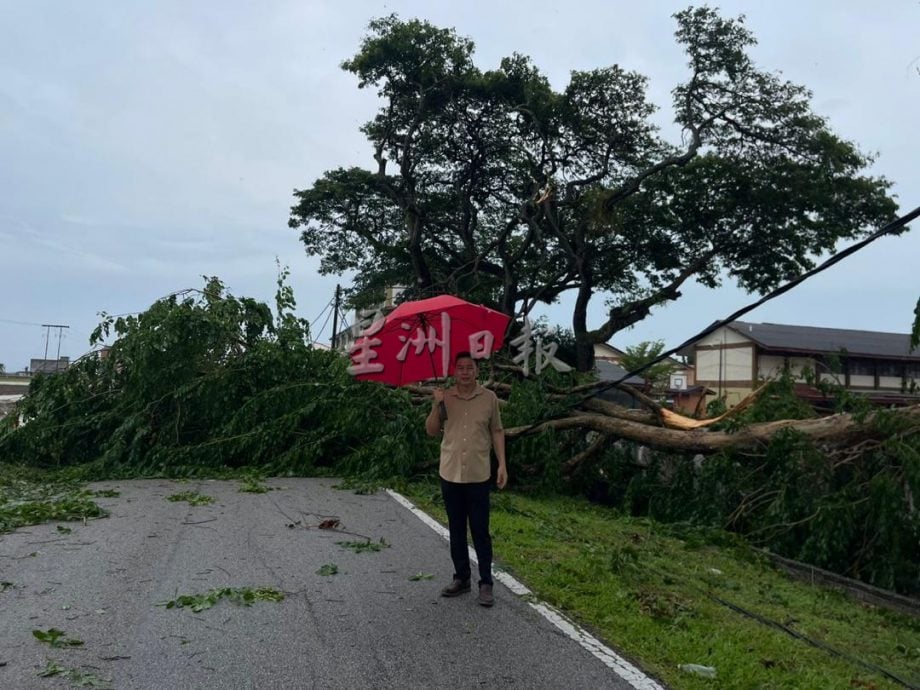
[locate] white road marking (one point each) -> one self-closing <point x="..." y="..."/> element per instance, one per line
<point x="624" y="669"/>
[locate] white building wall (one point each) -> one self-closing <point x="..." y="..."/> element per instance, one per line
<point x="723" y="336"/>
<point x="769" y="366"/>
<point x="799" y="364"/>
<point x="736" y="364"/>
<point x="891" y="382"/>
<point x="862" y="380"/>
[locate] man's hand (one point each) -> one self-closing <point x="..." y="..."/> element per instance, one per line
<point x="435" y="418"/>
<point x="501" y="477"/>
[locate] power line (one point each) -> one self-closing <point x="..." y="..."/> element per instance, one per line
<point x="320" y="315"/>
<point x="21" y="323"/>
<point x="60" y="329"/>
<point x="321" y="330"/>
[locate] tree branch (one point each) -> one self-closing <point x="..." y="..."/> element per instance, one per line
<point x="626" y="315"/>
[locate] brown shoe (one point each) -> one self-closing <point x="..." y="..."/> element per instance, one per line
<point x="485" y="595"/>
<point x="456" y="588"/>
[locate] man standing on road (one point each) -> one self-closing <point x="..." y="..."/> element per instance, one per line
<point x="472" y="425"/>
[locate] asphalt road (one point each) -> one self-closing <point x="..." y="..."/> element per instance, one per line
<point x="368" y="626"/>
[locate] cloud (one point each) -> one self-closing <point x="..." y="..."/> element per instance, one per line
<point x="147" y="144"/>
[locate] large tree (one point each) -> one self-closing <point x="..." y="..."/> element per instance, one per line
<point x="493" y="185"/>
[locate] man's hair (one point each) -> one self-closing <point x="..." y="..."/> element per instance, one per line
<point x="464" y="355"/>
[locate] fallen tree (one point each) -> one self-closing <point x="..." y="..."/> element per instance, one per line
<point x="204" y="381"/>
<point x="834" y="431"/>
<point x="661" y="429"/>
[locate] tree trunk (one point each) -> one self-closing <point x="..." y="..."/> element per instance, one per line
<point x="836" y="430"/>
<point x="584" y="346"/>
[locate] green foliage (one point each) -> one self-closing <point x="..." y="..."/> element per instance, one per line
<point x="777" y="400"/>
<point x="637" y="356"/>
<point x="418" y="577"/>
<point x="75" y="676"/>
<point x="25" y="501"/>
<point x="716" y="407"/>
<point x="56" y="638"/>
<point x="849" y="512"/>
<point x="364" y="546"/>
<point x="37" y="512"/>
<point x="328" y="569"/>
<point x="241" y="596"/>
<point x="253" y="485"/>
<point x="204" y="381"/>
<point x="536" y="460"/>
<point x="193" y="498"/>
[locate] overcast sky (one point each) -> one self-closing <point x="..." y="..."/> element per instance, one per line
<point x="143" y="145"/>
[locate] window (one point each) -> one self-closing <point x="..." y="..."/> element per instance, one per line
<point x="861" y="367"/>
<point x="888" y="368"/>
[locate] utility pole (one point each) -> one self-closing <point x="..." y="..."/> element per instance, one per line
<point x="48" y="327"/>
<point x="335" y="314"/>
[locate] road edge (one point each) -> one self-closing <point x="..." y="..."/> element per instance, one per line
<point x="623" y="668"/>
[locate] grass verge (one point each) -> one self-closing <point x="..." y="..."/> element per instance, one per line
<point x="648" y="589"/>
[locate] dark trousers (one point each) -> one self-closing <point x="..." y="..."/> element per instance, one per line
<point x="469" y="503"/>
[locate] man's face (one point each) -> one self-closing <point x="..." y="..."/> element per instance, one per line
<point x="465" y="371"/>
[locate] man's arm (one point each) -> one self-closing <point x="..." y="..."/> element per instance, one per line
<point x="433" y="421"/>
<point x="498" y="443"/>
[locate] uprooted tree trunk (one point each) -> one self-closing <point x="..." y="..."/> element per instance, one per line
<point x="836" y="430"/>
<point x="837" y="433"/>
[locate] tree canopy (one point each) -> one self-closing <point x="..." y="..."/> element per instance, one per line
<point x="494" y="185"/>
<point x="658" y="375"/>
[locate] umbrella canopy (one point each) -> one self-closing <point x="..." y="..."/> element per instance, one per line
<point x="418" y="340"/>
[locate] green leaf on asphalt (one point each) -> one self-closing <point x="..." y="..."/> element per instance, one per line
<point x="106" y="493"/>
<point x="253" y="485"/>
<point x="193" y="498"/>
<point x="51" y="669"/>
<point x="364" y="546"/>
<point x="23" y="504"/>
<point x="328" y="569"/>
<point x="242" y="596"/>
<point x="55" y="638"/>
<point x="64" y="530"/>
<point x="74" y="675"/>
<point x="421" y="576"/>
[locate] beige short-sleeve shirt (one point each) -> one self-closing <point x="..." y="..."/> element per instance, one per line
<point x="467" y="437"/>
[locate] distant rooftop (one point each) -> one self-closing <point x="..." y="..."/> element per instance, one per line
<point x="774" y="336"/>
<point x="608" y="371"/>
<point x="49" y="366"/>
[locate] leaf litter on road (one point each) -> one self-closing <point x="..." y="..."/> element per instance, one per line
<point x="56" y="638"/>
<point x="364" y="546"/>
<point x="242" y="596"/>
<point x="193" y="498"/>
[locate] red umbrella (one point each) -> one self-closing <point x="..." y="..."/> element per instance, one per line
<point x="418" y="340"/>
